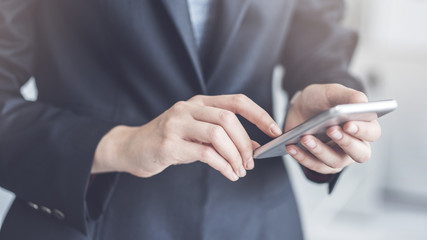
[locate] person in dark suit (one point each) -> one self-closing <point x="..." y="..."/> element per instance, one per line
<point x="134" y="134"/>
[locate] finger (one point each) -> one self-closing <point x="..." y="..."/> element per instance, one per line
<point x="332" y="157"/>
<point x="241" y="104"/>
<point x="208" y="155"/>
<point x="368" y="131"/>
<point x="309" y="161"/>
<point x="251" y="163"/>
<point x="339" y="94"/>
<point x="255" y="145"/>
<point x="358" y="150"/>
<point x="215" y="135"/>
<point x="324" y="96"/>
<point x="231" y="124"/>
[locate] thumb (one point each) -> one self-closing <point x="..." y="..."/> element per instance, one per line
<point x="338" y="94"/>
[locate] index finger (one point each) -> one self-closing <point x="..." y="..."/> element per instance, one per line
<point x="244" y="106"/>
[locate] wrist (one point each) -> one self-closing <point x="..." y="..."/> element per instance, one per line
<point x="109" y="152"/>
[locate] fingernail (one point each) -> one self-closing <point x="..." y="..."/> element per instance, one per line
<point x="250" y="164"/>
<point x="352" y="128"/>
<point x="242" y="171"/>
<point x="234" y="176"/>
<point x="337" y="135"/>
<point x="291" y="151"/>
<point x="310" y="143"/>
<point x="275" y="129"/>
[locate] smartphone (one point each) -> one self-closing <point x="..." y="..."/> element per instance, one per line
<point x="318" y="125"/>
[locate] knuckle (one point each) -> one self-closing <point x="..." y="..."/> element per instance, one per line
<point x="236" y="160"/>
<point x="239" y="99"/>
<point x="358" y="97"/>
<point x="318" y="150"/>
<point x="304" y="160"/>
<point x="179" y="106"/>
<point x="205" y="154"/>
<point x="142" y="173"/>
<point x="314" y="86"/>
<point x="247" y="147"/>
<point x="264" y="120"/>
<point x="169" y="124"/>
<point x="196" y="98"/>
<point x="223" y="168"/>
<point x="335" y="170"/>
<point x="215" y="133"/>
<point x="335" y="164"/>
<point x="365" y="157"/>
<point x="332" y="87"/>
<point x="326" y="170"/>
<point x="323" y="170"/>
<point x="345" y="142"/>
<point x="336" y="85"/>
<point x="265" y="117"/>
<point x="320" y="169"/>
<point x="227" y="117"/>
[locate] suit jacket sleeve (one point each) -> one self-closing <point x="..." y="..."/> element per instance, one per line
<point x="318" y="50"/>
<point x="46" y="153"/>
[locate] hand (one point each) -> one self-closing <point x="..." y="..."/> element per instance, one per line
<point x="349" y="143"/>
<point x="204" y="128"/>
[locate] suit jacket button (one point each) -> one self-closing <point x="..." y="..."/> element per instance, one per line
<point x="46" y="210"/>
<point x="33" y="205"/>
<point x="58" y="214"/>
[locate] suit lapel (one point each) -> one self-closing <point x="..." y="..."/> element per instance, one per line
<point x="178" y="11"/>
<point x="231" y="14"/>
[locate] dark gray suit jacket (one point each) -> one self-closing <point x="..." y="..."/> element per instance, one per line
<point x="101" y="63"/>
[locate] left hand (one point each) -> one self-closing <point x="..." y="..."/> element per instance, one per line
<point x="351" y="140"/>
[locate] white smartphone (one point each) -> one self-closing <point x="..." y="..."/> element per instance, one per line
<point x="318" y="125"/>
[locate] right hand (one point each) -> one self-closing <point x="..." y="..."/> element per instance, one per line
<point x="204" y="128"/>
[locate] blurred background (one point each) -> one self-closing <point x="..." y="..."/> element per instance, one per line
<point x="385" y="198"/>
